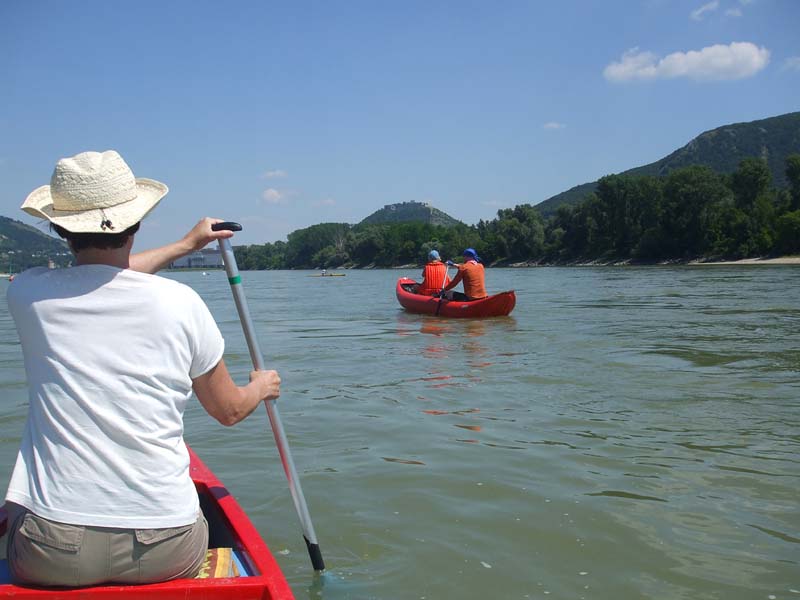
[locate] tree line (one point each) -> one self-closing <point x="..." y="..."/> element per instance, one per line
<point x="691" y="213"/>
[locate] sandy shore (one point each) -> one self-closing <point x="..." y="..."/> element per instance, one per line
<point x="781" y="260"/>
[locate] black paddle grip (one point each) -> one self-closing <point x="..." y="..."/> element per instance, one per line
<point x="229" y="225"/>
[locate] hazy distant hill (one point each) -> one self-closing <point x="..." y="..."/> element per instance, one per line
<point x="405" y="212"/>
<point x="721" y="149"/>
<point x="23" y="246"/>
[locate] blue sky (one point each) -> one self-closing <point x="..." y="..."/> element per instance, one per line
<point x="281" y="115"/>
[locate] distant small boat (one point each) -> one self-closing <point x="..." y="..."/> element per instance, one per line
<point x="498" y="305"/>
<point x="329" y="275"/>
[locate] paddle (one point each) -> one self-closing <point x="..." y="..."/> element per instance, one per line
<point x="272" y="409"/>
<point x="444" y="281"/>
<point x="441" y="292"/>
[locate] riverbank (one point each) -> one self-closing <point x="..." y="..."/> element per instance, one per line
<point x="779" y="260"/>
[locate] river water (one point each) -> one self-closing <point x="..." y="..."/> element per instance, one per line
<point x="625" y="433"/>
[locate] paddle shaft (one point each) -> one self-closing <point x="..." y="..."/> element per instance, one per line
<point x="235" y="280"/>
<point x="444" y="281"/>
<point x="441" y="293"/>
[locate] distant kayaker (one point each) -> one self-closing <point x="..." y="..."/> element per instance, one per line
<point x="434" y="275"/>
<point x="101" y="491"/>
<point x="472" y="274"/>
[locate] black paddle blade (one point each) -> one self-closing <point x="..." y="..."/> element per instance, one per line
<point x="229" y="225"/>
<point x="316" y="555"/>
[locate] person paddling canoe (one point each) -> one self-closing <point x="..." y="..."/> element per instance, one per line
<point x="101" y="490"/>
<point x="472" y="273"/>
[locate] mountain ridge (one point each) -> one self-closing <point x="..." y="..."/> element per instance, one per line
<point x="720" y="149"/>
<point x="408" y="212"/>
<point x="23" y="246"/>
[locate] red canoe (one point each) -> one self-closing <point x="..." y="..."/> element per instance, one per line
<point x="498" y="305"/>
<point x="260" y="577"/>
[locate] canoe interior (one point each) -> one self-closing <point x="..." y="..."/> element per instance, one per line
<point x="228" y="527"/>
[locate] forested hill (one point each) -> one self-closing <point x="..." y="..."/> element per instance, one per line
<point x="410" y="212"/>
<point x="23" y="246"/>
<point x="721" y="149"/>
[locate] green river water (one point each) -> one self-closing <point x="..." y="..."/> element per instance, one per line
<point x="625" y="433"/>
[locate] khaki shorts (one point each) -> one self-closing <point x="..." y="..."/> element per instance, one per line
<point x="48" y="553"/>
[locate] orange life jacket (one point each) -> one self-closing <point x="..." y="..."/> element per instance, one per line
<point x="434" y="275"/>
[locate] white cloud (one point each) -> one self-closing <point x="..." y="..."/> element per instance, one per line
<point x="790" y="64"/>
<point x="274" y="174"/>
<point x="274" y="196"/>
<point x="632" y="65"/>
<point x="697" y="15"/>
<point x="324" y="202"/>
<point x="554" y="125"/>
<point x="719" y="62"/>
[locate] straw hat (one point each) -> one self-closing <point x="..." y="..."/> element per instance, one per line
<point x="94" y="192"/>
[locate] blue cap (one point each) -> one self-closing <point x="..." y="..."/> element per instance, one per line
<point x="471" y="253"/>
<point x="433" y="255"/>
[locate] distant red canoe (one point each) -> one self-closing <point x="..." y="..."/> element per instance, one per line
<point x="260" y="577"/>
<point x="498" y="305"/>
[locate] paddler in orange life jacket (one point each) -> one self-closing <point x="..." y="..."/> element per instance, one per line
<point x="472" y="274"/>
<point x="434" y="275"/>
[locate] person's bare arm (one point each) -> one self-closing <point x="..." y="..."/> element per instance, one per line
<point x="152" y="261"/>
<point x="229" y="403"/>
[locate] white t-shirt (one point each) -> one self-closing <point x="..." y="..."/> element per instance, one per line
<point x="110" y="355"/>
